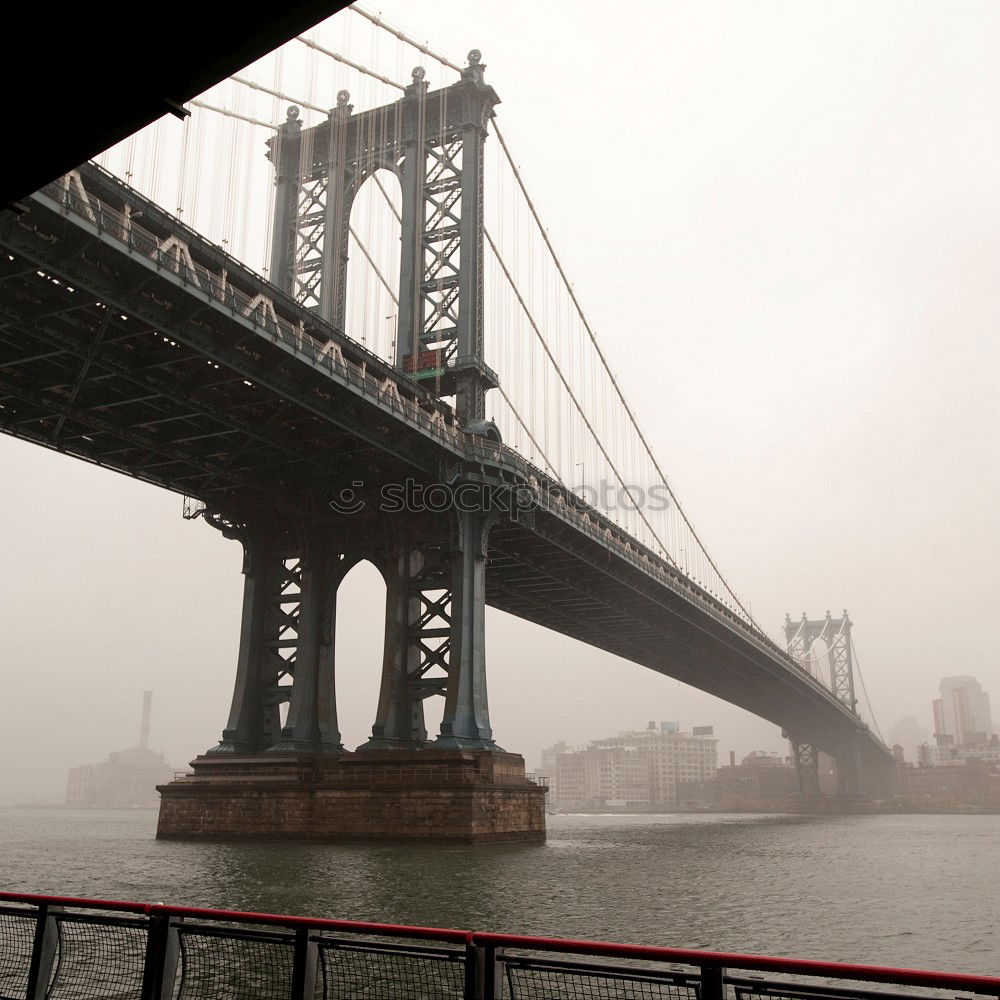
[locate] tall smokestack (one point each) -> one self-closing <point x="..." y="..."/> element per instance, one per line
<point x="732" y="758"/>
<point x="147" y="704"/>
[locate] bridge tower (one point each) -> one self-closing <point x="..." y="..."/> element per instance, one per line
<point x="835" y="634"/>
<point x="433" y="142"/>
<point x="280" y="768"/>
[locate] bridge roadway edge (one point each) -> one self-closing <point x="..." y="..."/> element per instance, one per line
<point x="676" y="631"/>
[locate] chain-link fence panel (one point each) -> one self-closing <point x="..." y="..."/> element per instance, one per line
<point x="231" y="966"/>
<point x="363" y="971"/>
<point x="17" y="932"/>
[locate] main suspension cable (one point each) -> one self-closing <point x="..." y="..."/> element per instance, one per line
<point x="403" y="37"/>
<point x="279" y="94"/>
<point x="341" y="58"/>
<point x="864" y="687"/>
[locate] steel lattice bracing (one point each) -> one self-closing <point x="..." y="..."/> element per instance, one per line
<point x="807" y="767"/>
<point x="433" y="142"/>
<point x="435" y="633"/>
<point x="418" y="632"/>
<point x="307" y="267"/>
<point x="271" y="639"/>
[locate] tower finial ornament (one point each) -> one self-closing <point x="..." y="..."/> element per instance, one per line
<point x="419" y="85"/>
<point x="474" y="71"/>
<point x="343" y="110"/>
<point x="293" y="113"/>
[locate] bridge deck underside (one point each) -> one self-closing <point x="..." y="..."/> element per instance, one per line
<point x="221" y="414"/>
<point x="108" y="360"/>
<point x="554" y="578"/>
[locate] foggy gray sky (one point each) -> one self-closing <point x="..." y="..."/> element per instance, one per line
<point x="783" y="221"/>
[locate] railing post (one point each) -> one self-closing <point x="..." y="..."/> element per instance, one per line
<point x="303" y="966"/>
<point x="486" y="981"/>
<point x="712" y="982"/>
<point x="43" y="953"/>
<point x="471" y="970"/>
<point x="160" y="966"/>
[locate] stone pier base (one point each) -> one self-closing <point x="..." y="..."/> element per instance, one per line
<point x="426" y="795"/>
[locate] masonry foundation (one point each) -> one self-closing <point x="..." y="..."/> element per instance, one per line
<point x="425" y="795"/>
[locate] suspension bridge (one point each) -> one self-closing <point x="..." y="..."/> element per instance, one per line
<point x="325" y="310"/>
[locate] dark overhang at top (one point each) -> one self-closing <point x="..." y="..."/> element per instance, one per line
<point x="80" y="77"/>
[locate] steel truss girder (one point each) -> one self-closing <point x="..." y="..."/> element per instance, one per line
<point x="356" y="428"/>
<point x="90" y="419"/>
<point x="172" y="455"/>
<point x="679" y="648"/>
<point x="54" y="254"/>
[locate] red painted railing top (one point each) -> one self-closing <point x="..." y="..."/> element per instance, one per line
<point x="685" y="956"/>
<point x="272" y="919"/>
<point x="763" y="963"/>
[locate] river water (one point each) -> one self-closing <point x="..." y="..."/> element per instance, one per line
<point x="918" y="891"/>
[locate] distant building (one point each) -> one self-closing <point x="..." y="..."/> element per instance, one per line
<point x="761" y="782"/>
<point x="983" y="753"/>
<point x="929" y="755"/>
<point x="962" y="713"/>
<point x="127" y="779"/>
<point x="638" y="771"/>
<point x="968" y="787"/>
<point x="550" y="755"/>
<point x="765" y="758"/>
<point x="909" y="734"/>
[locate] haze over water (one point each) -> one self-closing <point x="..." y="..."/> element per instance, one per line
<point x="917" y="891"/>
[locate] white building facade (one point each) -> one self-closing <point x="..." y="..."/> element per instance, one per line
<point x="634" y="771"/>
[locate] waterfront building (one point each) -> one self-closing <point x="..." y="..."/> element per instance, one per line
<point x="549" y="757"/>
<point x="970" y="786"/>
<point x="962" y="713"/>
<point x="637" y="771"/>
<point x="987" y="752"/>
<point x="761" y="782"/>
<point x="127" y="779"/>
<point x="983" y="753"/>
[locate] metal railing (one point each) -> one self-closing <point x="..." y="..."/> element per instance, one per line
<point x="70" y="949"/>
